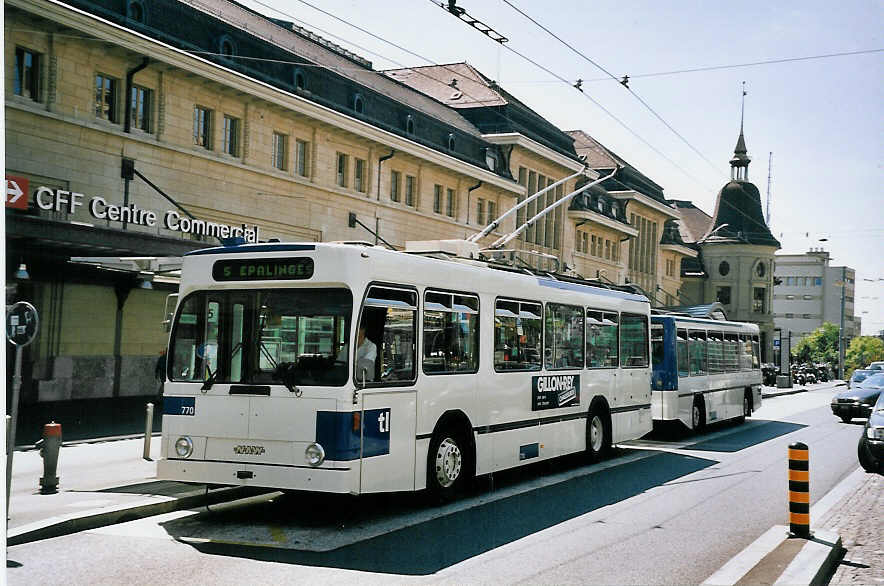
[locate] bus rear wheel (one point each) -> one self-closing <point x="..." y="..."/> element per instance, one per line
<point x="598" y="435"/>
<point x="448" y="464"/>
<point x="698" y="415"/>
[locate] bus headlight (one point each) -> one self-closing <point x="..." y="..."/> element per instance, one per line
<point x="184" y="446"/>
<point x="314" y="454"/>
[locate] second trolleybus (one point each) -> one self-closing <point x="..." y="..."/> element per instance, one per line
<point x="704" y="370"/>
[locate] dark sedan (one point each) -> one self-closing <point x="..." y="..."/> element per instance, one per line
<point x="858" y="401"/>
<point x="871" y="444"/>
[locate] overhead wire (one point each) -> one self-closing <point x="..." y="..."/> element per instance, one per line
<point x="622" y="82"/>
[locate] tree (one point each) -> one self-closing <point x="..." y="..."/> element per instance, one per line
<point x="862" y="351"/>
<point x="820" y="346"/>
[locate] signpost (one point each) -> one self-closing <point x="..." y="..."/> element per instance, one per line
<point x="22" y="323"/>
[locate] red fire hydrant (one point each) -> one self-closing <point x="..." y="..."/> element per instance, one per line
<point x="49" y="447"/>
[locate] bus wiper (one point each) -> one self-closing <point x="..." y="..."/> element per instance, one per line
<point x="207" y="385"/>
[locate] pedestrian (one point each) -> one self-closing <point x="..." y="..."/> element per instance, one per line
<point x="160" y="371"/>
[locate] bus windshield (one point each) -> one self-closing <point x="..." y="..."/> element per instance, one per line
<point x="269" y="336"/>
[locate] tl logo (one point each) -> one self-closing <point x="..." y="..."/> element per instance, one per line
<point x="384" y="422"/>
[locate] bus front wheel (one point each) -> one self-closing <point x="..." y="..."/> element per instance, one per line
<point x="447" y="464"/>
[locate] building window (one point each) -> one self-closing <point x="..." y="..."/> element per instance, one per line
<point x="491" y="159"/>
<point x="758" y="299"/>
<point x="723" y="295"/>
<point x="231" y="136"/>
<point x="480" y="212"/>
<point x="358" y="104"/>
<point x="27" y="74"/>
<point x="760" y="269"/>
<point x="449" y="203"/>
<point x="300" y="80"/>
<point x="607" y="249"/>
<point x="280" y="151"/>
<point x="409" y="190"/>
<point x="670" y="267"/>
<point x="301" y="157"/>
<point x="226" y="47"/>
<point x="202" y="127"/>
<point x="343" y="163"/>
<point x="451" y="142"/>
<point x="585" y="238"/>
<point x="359" y="176"/>
<point x="135" y="11"/>
<point x="106" y="97"/>
<point x="409" y="124"/>
<point x="395" y="185"/>
<point x="142" y="99"/>
<point x="437" y="199"/>
<point x="592" y="247"/>
<point x="818" y="282"/>
<point x="492" y="212"/>
<point x="724" y="268"/>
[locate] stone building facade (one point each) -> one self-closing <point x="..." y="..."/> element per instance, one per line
<point x="143" y="129"/>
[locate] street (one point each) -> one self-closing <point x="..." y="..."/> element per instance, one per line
<point x="662" y="510"/>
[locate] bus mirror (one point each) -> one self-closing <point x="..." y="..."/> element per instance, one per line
<point x="169" y="310"/>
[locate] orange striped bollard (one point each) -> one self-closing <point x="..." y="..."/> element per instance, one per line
<point x="799" y="490"/>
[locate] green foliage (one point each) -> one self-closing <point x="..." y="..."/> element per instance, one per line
<point x="862" y="351"/>
<point x="820" y="346"/>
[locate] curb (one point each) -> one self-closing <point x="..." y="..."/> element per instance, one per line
<point x="782" y="393"/>
<point x="812" y="564"/>
<point x="158" y="505"/>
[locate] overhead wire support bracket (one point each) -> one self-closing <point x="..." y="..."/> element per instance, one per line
<point x="460" y="13"/>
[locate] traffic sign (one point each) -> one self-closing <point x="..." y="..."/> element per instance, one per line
<point x="22" y="323"/>
<point x="17" y="192"/>
<point x="776" y="343"/>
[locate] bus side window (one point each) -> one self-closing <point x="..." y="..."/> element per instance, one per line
<point x="601" y="339"/>
<point x="755" y="352"/>
<point x="716" y="353"/>
<point x="633" y="340"/>
<point x="658" y="350"/>
<point x="745" y="352"/>
<point x="389" y="319"/>
<point x="731" y="350"/>
<point x="697" y="347"/>
<point x="564" y="336"/>
<point x="518" y="334"/>
<point x="451" y="333"/>
<point x="681" y="349"/>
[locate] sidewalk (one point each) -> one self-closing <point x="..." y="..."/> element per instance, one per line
<point x="102" y="482"/>
<point x="845" y="522"/>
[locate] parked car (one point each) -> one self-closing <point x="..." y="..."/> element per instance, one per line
<point x="876" y="366"/>
<point x="858" y="376"/>
<point x="870" y="450"/>
<point x="858" y="401"/>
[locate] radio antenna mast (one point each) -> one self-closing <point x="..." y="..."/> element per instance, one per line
<point x="769" y="168"/>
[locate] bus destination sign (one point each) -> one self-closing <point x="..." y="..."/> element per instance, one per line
<point x="263" y="269"/>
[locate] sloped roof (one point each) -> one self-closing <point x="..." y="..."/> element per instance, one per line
<point x="739" y="208"/>
<point x="694" y="222"/>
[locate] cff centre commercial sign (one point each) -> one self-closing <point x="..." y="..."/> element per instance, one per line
<point x="60" y="200"/>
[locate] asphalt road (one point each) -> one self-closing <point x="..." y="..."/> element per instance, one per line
<point x="662" y="511"/>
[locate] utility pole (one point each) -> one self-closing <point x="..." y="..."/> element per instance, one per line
<point x="769" y="172"/>
<point x="841" y="328"/>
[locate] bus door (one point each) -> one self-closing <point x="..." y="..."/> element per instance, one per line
<point x="634" y="380"/>
<point x="385" y="371"/>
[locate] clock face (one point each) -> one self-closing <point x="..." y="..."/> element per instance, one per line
<point x="759" y="269"/>
<point x="724" y="268"/>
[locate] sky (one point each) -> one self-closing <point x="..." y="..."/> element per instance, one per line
<point x="823" y="119"/>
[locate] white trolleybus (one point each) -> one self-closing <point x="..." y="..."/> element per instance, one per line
<point x="343" y="368"/>
<point x="704" y="370"/>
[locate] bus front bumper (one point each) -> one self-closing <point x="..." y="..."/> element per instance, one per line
<point x="332" y="480"/>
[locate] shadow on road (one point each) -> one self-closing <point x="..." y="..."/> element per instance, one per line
<point x="270" y="532"/>
<point x="754" y="433"/>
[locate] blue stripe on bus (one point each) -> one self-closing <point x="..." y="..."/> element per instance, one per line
<point x="252" y="248"/>
<point x="590" y="289"/>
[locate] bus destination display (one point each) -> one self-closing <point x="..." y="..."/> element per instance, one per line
<point x="263" y="269"/>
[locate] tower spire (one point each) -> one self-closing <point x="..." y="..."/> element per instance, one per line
<point x="740" y="162"/>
